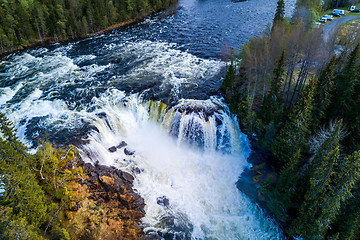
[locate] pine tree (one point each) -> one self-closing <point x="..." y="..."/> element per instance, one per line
<point x="345" y="181"/>
<point x="23" y="22"/>
<point x="345" y="101"/>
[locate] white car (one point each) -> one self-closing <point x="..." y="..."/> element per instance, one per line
<point x="353" y="9"/>
<point x="338" y="12"/>
<point x="323" y="19"/>
<point x="328" y="17"/>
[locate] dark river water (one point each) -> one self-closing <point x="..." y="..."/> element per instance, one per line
<point x="154" y="85"/>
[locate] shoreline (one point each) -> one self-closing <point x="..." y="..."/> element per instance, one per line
<point x="171" y="10"/>
<point x="251" y="179"/>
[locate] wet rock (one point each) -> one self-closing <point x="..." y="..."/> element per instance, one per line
<point x="128" y="152"/>
<point x="22" y="122"/>
<point x="112" y="149"/>
<point x="121" y="145"/>
<point x="139" y="201"/>
<point x="128" y="177"/>
<point x="80" y="141"/>
<point x="178" y="224"/>
<point x="107" y="180"/>
<point x="101" y="114"/>
<point x="137" y="170"/>
<point x="93" y="128"/>
<point x="163" y="201"/>
<point x="112" y="187"/>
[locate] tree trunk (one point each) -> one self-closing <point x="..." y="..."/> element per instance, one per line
<point x="289" y="75"/>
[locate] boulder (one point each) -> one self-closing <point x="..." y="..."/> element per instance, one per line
<point x="128" y="177"/>
<point x="163" y="201"/>
<point x="128" y="152"/>
<point x="112" y="149"/>
<point x="121" y="145"/>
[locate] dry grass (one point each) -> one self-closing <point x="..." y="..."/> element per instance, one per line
<point x="348" y="32"/>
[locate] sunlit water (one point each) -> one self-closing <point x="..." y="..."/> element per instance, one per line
<point x="153" y="85"/>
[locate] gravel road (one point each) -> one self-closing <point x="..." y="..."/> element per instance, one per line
<point x="330" y="29"/>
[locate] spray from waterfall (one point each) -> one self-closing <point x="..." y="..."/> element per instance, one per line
<point x="186" y="160"/>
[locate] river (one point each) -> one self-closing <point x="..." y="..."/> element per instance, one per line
<point x="155" y="86"/>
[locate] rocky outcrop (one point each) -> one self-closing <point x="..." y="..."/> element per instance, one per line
<point x="112" y="184"/>
<point x="251" y="180"/>
<point x="105" y="205"/>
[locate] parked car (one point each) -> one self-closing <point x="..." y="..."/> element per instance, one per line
<point x="323" y="19"/>
<point x="353" y="9"/>
<point x="338" y="12"/>
<point x="329" y="17"/>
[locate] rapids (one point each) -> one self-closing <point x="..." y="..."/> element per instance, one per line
<point x="155" y="86"/>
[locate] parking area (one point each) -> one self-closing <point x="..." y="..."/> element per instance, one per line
<point x="336" y="13"/>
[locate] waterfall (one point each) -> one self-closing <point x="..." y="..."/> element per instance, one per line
<point x="186" y="162"/>
<point x="183" y="146"/>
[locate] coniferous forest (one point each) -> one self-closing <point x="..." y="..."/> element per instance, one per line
<point x="301" y="102"/>
<point x="24" y="22"/>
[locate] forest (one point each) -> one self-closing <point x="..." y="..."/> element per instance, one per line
<point x="34" y="187"/>
<point x="301" y="102"/>
<point x="26" y="22"/>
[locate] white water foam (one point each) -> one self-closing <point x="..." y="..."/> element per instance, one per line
<point x="191" y="154"/>
<point x="204" y="202"/>
<point x="177" y="69"/>
<point x="7" y="93"/>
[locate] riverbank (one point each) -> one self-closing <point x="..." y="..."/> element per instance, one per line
<point x="49" y="41"/>
<point x="167" y="10"/>
<point x="251" y="180"/>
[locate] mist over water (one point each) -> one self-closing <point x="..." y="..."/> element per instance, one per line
<point x="186" y="180"/>
<point x="155" y="86"/>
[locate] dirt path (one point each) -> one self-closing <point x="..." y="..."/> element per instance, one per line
<point x="330" y="29"/>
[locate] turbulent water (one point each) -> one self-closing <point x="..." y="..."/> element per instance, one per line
<point x="153" y="85"/>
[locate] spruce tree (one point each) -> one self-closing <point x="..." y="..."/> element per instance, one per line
<point x="280" y="12"/>
<point x="271" y="106"/>
<point x="293" y="135"/>
<point x="22" y="192"/>
<point x="345" y="101"/>
<point x="341" y="96"/>
<point x="280" y="197"/>
<point x="331" y="182"/>
<point x="229" y="78"/>
<point x="347" y="225"/>
<point x="271" y="110"/>
<point x="323" y="91"/>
